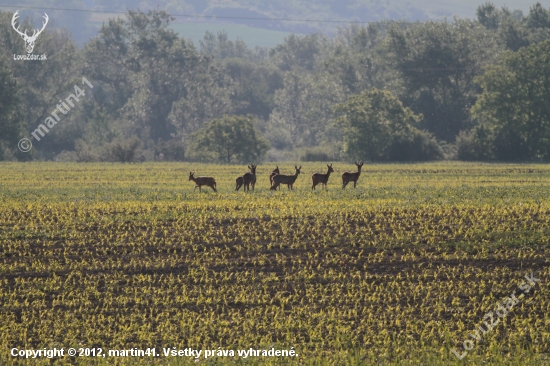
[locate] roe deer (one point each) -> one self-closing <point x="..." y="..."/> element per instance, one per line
<point x="273" y="173"/>
<point x="321" y="178"/>
<point x="239" y="182"/>
<point x="285" y="179"/>
<point x="250" y="178"/>
<point x="351" y="176"/>
<point x="203" y="181"/>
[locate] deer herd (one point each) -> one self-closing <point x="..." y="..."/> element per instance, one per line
<point x="276" y="178"/>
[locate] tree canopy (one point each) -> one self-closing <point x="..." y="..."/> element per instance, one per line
<point x="229" y="139"/>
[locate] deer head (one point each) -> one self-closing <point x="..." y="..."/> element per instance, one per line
<point x="29" y="40"/>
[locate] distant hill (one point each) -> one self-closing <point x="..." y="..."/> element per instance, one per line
<point x="252" y="14"/>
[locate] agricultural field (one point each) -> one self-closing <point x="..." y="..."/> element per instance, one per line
<point x="399" y="271"/>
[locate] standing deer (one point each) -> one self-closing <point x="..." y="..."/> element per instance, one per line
<point x="285" y="179"/>
<point x="351" y="176"/>
<point x="29" y="40"/>
<point x="273" y="173"/>
<point x="321" y="178"/>
<point x="203" y="181"/>
<point x="239" y="182"/>
<point x="250" y="178"/>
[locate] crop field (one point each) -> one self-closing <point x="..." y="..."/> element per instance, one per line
<point x="399" y="271"/>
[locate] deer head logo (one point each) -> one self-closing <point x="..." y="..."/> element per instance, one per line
<point x="29" y="40"/>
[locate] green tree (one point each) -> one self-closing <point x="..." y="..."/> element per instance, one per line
<point x="228" y="139"/>
<point x="10" y="104"/>
<point x="377" y="127"/>
<point x="438" y="62"/>
<point x="514" y="103"/>
<point x="304" y="110"/>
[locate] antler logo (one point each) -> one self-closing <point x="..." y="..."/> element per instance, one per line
<point x="29" y="40"/>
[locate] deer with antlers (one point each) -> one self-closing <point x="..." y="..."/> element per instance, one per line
<point x="285" y="179"/>
<point x="352" y="176"/>
<point x="249" y="179"/>
<point x="29" y="40"/>
<point x="273" y="173"/>
<point x="203" y="181"/>
<point x="321" y="178"/>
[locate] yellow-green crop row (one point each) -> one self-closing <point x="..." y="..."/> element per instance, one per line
<point x="398" y="271"/>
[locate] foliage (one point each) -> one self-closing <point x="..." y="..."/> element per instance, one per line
<point x="231" y="138"/>
<point x="514" y="103"/>
<point x="377" y="127"/>
<point x="171" y="150"/>
<point x="438" y="62"/>
<point x="477" y="144"/>
<point x="159" y="87"/>
<point x="122" y="151"/>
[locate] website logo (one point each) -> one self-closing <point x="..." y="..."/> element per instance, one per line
<point x="29" y="40"/>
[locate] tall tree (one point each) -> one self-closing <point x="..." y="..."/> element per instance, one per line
<point x="229" y="139"/>
<point x="514" y="103"/>
<point x="377" y="127"/>
<point x="438" y="62"/>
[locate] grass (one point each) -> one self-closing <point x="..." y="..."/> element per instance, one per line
<point x="399" y="271"/>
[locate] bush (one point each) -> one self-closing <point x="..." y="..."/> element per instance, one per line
<point x="414" y="145"/>
<point x="475" y="145"/>
<point x="171" y="150"/>
<point x="84" y="153"/>
<point x="324" y="152"/>
<point x="314" y="156"/>
<point x="122" y="151"/>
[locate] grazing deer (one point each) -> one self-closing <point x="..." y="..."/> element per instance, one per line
<point x="250" y="178"/>
<point x="203" y="181"/>
<point x="351" y="176"/>
<point x="285" y="179"/>
<point x="321" y="178"/>
<point x="273" y="173"/>
<point x="239" y="182"/>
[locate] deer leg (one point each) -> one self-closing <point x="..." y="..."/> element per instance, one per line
<point x="354" y="183"/>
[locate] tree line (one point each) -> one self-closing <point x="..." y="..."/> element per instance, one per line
<point x="468" y="89"/>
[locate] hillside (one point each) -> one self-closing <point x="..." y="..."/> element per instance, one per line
<point x="84" y="24"/>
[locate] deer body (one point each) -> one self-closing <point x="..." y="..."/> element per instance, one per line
<point x="239" y="182"/>
<point x="352" y="176"/>
<point x="273" y="173"/>
<point x="29" y="40"/>
<point x="249" y="179"/>
<point x="203" y="181"/>
<point x="285" y="179"/>
<point x="321" y="178"/>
